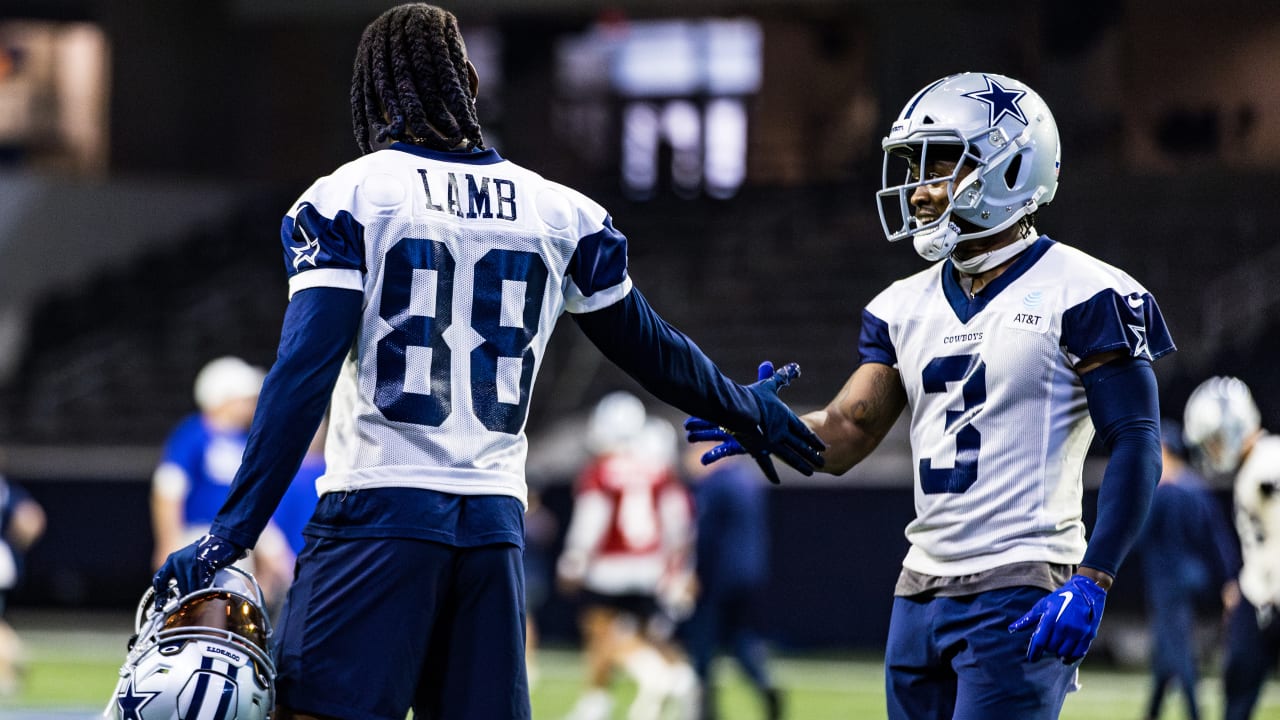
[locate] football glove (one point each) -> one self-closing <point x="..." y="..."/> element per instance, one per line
<point x="193" y="567"/>
<point x="1066" y="621"/>
<point x="779" y="431"/>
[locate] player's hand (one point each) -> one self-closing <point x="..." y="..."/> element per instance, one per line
<point x="1066" y="621"/>
<point x="779" y="432"/>
<point x="193" y="567"/>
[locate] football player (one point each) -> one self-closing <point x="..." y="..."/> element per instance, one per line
<point x="627" y="553"/>
<point x="198" y="463"/>
<point x="1007" y="353"/>
<point x="425" y="278"/>
<point x="22" y="523"/>
<point x="1223" y="427"/>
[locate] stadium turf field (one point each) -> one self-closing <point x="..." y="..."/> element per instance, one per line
<point x="73" y="662"/>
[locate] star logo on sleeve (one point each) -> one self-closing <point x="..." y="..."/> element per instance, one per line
<point x="1140" y="346"/>
<point x="131" y="703"/>
<point x="1000" y="101"/>
<point x="308" y="251"/>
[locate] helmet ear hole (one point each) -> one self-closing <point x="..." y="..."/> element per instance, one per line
<point x="1011" y="179"/>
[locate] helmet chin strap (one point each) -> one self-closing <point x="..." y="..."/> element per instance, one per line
<point x="937" y="243"/>
<point x="995" y="258"/>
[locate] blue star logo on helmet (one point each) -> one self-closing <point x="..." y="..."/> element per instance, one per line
<point x="131" y="703"/>
<point x="1001" y="101"/>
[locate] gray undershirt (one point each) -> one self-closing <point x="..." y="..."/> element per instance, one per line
<point x="1046" y="576"/>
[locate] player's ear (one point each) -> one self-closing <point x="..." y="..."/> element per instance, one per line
<point x="474" y="78"/>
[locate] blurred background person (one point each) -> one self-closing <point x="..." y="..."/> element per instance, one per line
<point x="1188" y="553"/>
<point x="1223" y="427"/>
<point x="22" y="522"/>
<point x="540" y="530"/>
<point x="200" y="460"/>
<point x="299" y="501"/>
<point x="626" y="561"/>
<point x="732" y="568"/>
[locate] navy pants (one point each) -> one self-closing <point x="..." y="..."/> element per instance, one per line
<point x="1251" y="654"/>
<point x="954" y="658"/>
<point x="375" y="627"/>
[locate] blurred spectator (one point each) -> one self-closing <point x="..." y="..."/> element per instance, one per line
<point x="732" y="562"/>
<point x="199" y="462"/>
<point x="1223" y="427"/>
<point x="22" y="522"/>
<point x="626" y="558"/>
<point x="1181" y="569"/>
<point x="540" y="528"/>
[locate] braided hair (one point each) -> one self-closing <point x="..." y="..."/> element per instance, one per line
<point x="412" y="81"/>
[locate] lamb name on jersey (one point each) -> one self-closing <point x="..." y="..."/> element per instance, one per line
<point x="465" y="261"/>
<point x="998" y="469"/>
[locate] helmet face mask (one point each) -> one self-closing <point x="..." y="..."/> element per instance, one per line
<point x="1008" y="152"/>
<point x="203" y="655"/>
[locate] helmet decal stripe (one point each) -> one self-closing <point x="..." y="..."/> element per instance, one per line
<point x="911" y="107"/>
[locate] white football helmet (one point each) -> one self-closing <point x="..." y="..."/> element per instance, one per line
<point x="1219" y="420"/>
<point x="616" y="423"/>
<point x="203" y="656"/>
<point x="991" y="123"/>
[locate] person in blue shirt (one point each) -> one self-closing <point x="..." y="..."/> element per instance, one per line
<point x="22" y="522"/>
<point x="425" y="279"/>
<point x="198" y="463"/>
<point x="732" y="567"/>
<point x="1187" y="554"/>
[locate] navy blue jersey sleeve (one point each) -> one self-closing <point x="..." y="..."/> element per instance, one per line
<point x="319" y="326"/>
<point x="600" y="260"/>
<point x="1111" y="321"/>
<point x="1125" y="408"/>
<point x="312" y="241"/>
<point x="874" y="345"/>
<point x="667" y="363"/>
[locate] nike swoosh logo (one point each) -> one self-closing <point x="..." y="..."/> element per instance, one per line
<point x="1135" y="303"/>
<point x="1067" y="597"/>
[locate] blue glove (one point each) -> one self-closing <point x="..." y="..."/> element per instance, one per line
<point x="779" y="431"/>
<point x="194" y="566"/>
<point x="1066" y="621"/>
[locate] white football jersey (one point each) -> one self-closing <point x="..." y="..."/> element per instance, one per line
<point x="1257" y="503"/>
<point x="999" y="421"/>
<point x="465" y="261"/>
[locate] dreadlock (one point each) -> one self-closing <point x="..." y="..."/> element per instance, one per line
<point x="411" y="81"/>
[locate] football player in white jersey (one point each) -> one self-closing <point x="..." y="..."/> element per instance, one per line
<point x="1223" y="427"/>
<point x="425" y="278"/>
<point x="1002" y="351"/>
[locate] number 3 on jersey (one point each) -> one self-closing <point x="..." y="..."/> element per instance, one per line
<point x="964" y="471"/>
<point x="414" y="361"/>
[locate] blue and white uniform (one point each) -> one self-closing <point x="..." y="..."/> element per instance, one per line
<point x="424" y="287"/>
<point x="1000" y="425"/>
<point x="465" y="261"/>
<point x="999" y="422"/>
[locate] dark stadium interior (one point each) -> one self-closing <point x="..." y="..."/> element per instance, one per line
<point x="1171" y="145"/>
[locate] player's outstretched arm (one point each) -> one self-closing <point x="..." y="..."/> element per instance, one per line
<point x="766" y="388"/>
<point x="859" y="417"/>
<point x="319" y="327"/>
<point x="669" y="365"/>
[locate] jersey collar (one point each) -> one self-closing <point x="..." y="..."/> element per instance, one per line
<point x="488" y="156"/>
<point x="964" y="306"/>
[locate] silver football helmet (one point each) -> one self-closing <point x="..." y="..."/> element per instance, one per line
<point x="1218" y="422"/>
<point x="992" y="124"/>
<point x="202" y="656"/>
